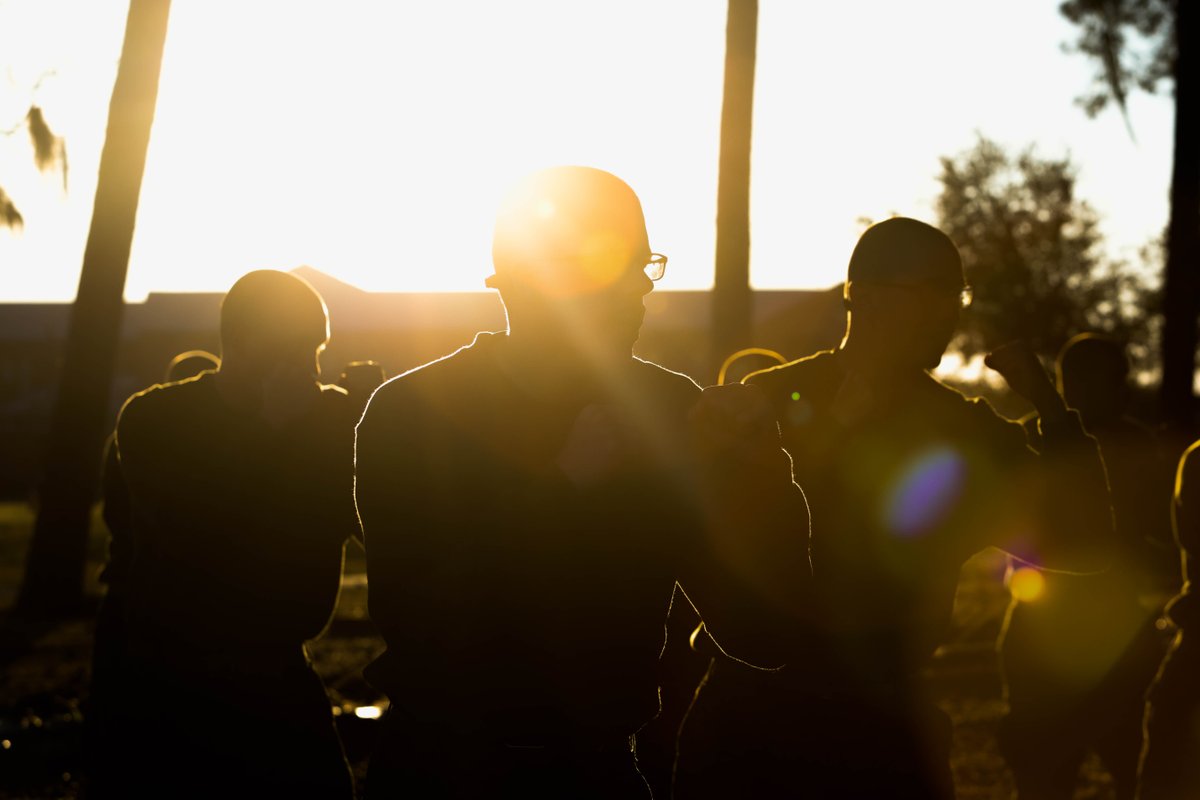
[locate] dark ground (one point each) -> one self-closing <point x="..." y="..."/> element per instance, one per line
<point x="44" y="676"/>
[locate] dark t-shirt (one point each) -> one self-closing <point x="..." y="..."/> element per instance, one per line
<point x="901" y="497"/>
<point x="514" y="604"/>
<point x="239" y="528"/>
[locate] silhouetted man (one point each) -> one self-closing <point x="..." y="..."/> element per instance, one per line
<point x="240" y="483"/>
<point x="529" y="502"/>
<point x="105" y="737"/>
<point x="1170" y="766"/>
<point x="906" y="479"/>
<point x="1079" y="657"/>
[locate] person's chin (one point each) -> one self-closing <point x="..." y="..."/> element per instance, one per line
<point x="631" y="329"/>
<point x="623" y="346"/>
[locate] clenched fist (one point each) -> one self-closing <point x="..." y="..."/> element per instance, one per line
<point x="1019" y="366"/>
<point x="288" y="392"/>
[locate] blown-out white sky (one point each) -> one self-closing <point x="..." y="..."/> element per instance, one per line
<point x="373" y="139"/>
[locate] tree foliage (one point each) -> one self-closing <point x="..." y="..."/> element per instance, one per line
<point x="1123" y="63"/>
<point x="1140" y="43"/>
<point x="1033" y="254"/>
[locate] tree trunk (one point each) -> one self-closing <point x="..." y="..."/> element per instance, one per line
<point x="53" y="581"/>
<point x="731" y="287"/>
<point x="1181" y="283"/>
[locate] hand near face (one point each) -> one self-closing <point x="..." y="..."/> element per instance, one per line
<point x="1019" y="366"/>
<point x="288" y="392"/>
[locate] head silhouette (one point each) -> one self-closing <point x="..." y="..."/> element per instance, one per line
<point x="189" y="364"/>
<point x="1093" y="377"/>
<point x="570" y="250"/>
<point x="904" y="291"/>
<point x="272" y="319"/>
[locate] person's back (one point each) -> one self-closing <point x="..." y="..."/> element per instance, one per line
<point x="104" y="731"/>
<point x="223" y="500"/>
<point x="528" y="504"/>
<point x="240" y="487"/>
<point x="905" y="480"/>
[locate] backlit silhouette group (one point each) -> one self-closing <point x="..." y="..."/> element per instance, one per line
<point x="596" y="579"/>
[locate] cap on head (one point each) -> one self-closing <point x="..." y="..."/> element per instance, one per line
<point x="906" y="251"/>
<point x="268" y="306"/>
<point x="569" y="230"/>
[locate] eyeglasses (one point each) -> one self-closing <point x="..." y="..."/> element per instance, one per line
<point x="656" y="266"/>
<point x="966" y="295"/>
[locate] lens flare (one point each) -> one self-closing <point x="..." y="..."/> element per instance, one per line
<point x="925" y="492"/>
<point x="1026" y="584"/>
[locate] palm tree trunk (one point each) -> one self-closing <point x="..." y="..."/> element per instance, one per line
<point x="54" y="567"/>
<point x="731" y="287"/>
<point x="1181" y="284"/>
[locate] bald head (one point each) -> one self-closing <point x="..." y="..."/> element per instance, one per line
<point x="269" y="314"/>
<point x="267" y="304"/>
<point x="569" y="230"/>
<point x="905" y="251"/>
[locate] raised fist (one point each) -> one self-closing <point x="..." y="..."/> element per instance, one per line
<point x="1019" y="366"/>
<point x="288" y="392"/>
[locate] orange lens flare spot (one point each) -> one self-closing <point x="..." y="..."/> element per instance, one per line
<point x="1027" y="584"/>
